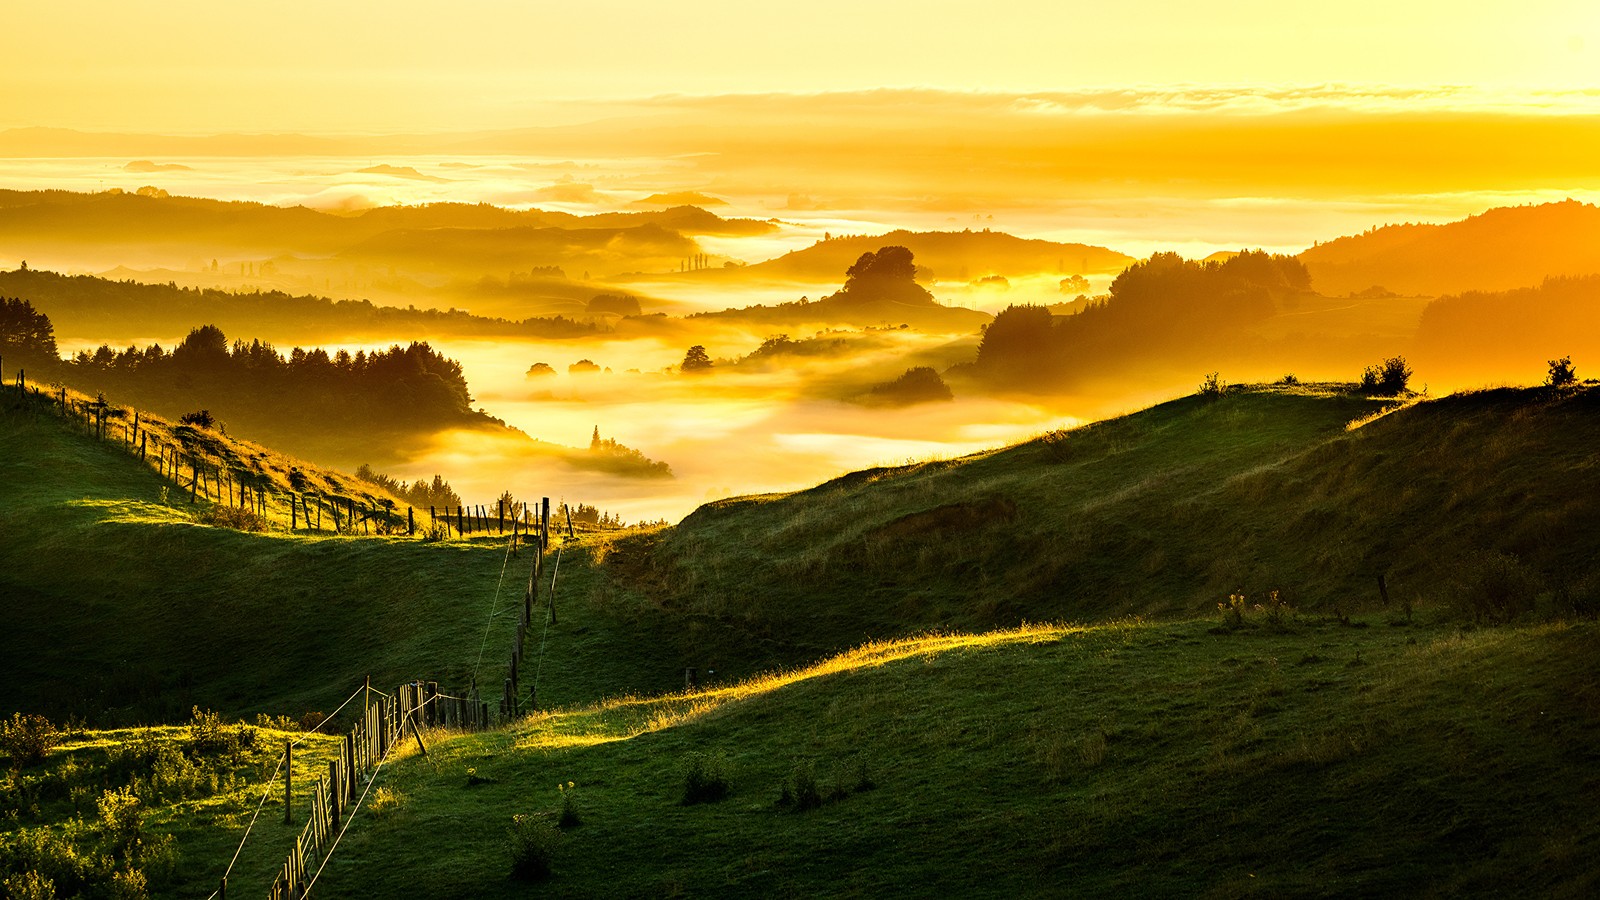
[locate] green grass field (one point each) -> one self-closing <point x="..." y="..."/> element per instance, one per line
<point x="867" y="637"/>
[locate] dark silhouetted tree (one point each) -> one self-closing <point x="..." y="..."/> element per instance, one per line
<point x="696" y="360"/>
<point x="26" y="333"/>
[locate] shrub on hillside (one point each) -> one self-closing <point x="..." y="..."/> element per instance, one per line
<point x="200" y="418"/>
<point x="1562" y="374"/>
<point x="1497" y="589"/>
<point x="1213" y="385"/>
<point x="705" y="779"/>
<point x="236" y="517"/>
<point x="533" y="843"/>
<point x="1387" y="379"/>
<point x="26" y="738"/>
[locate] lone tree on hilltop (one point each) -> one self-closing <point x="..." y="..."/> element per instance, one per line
<point x="696" y="360"/>
<point x="890" y="274"/>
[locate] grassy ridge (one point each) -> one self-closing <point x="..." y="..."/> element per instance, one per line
<point x="1310" y="491"/>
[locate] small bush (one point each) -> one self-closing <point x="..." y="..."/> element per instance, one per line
<point x="26" y="738"/>
<point x="200" y="418"/>
<point x="1290" y="379"/>
<point x="29" y="885"/>
<point x="1562" y="374"/>
<point x="1213" y="386"/>
<point x="129" y="884"/>
<point x="236" y="517"/>
<point x="705" y="779"/>
<point x="121" y="817"/>
<point x="1232" y="611"/>
<point x="158" y="858"/>
<point x="1387" y="379"/>
<point x="533" y="843"/>
<point x="1497" y="589"/>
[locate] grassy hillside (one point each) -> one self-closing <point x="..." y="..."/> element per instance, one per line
<point x="1330" y="748"/>
<point x="1166" y="511"/>
<point x="123" y="605"/>
<point x="1131" y="759"/>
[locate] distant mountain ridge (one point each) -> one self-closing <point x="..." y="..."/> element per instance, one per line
<point x="1497" y="250"/>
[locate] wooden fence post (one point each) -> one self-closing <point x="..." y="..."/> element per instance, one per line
<point x="502" y="517"/>
<point x="288" y="782"/>
<point x="461" y="518"/>
<point x="544" y="524"/>
<point x="411" y="523"/>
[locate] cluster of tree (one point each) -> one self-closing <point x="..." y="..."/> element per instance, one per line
<point x="607" y="455"/>
<point x="889" y="274"/>
<point x="410" y="388"/>
<point x="613" y="305"/>
<point x="920" y="384"/>
<point x="1166" y="307"/>
<point x="583" y="514"/>
<point x="26" y="335"/>
<point x="880" y="287"/>
<point x="419" y="493"/>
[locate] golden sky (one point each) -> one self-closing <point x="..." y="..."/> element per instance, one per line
<point x="407" y="66"/>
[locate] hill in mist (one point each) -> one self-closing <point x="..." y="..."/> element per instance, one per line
<point x="1501" y="249"/>
<point x="953" y="255"/>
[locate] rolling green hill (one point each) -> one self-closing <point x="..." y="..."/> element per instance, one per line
<point x="1333" y="746"/>
<point x="1164" y="512"/>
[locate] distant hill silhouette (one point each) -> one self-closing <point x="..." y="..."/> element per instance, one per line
<point x="950" y="255"/>
<point x="1501" y="249"/>
<point x="46" y="223"/>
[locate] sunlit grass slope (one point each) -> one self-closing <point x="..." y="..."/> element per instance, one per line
<point x="120" y="606"/>
<point x="1304" y="490"/>
<point x="1128" y="759"/>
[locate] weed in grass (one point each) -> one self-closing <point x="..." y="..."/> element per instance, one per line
<point x="1212" y="386"/>
<point x="571" y="811"/>
<point x="800" y="790"/>
<point x="386" y="801"/>
<point x="533" y="842"/>
<point x="705" y="779"/>
<point x="1232" y="612"/>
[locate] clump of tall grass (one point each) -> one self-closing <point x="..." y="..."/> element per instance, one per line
<point x="533" y="842"/>
<point x="705" y="779"/>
